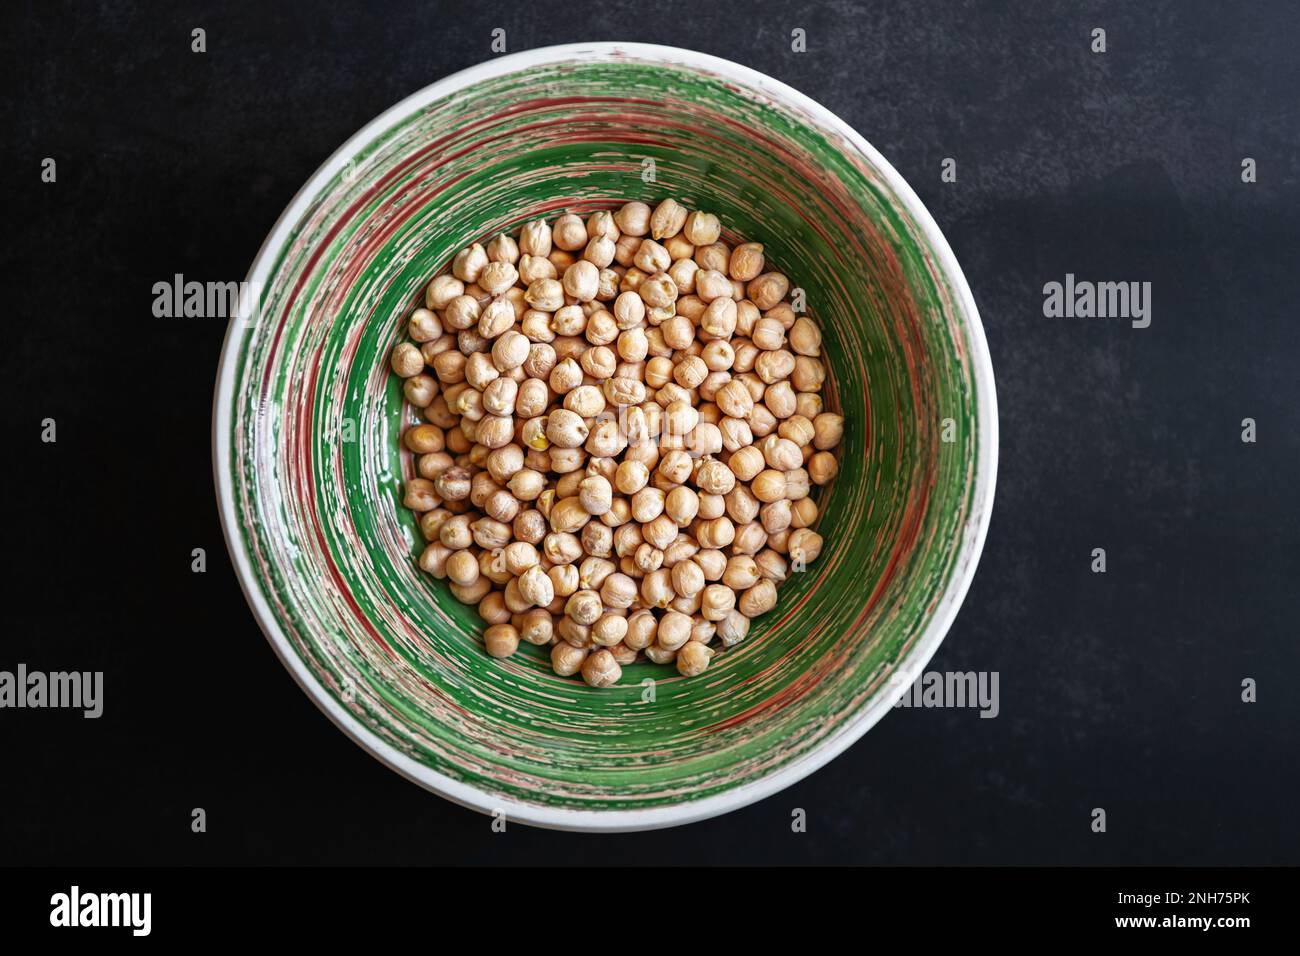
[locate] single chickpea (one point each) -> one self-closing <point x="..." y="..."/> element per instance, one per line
<point x="803" y="513"/>
<point x="658" y="291"/>
<point x="809" y="405"/>
<point x="567" y="660"/>
<point x="502" y="506"/>
<point x="682" y="505"/>
<point x="808" y="374"/>
<point x="714" y="256"/>
<point x="502" y="248"/>
<point x="498" y="316"/>
<point x="828" y="430"/>
<point x="453" y="484"/>
<point x="774" y="366"/>
<point x="647" y="504"/>
<point x="421" y="495"/>
<point x="767" y="290"/>
<point x="687" y="578"/>
<point x="535" y="268"/>
<point x="660" y="531"/>
<point x="735" y="400"/>
<point x="600" y="252"/>
<point x="712" y="506"/>
<point x="407" y="360"/>
<point x="761" y="421"/>
<point x="469" y="263"/>
<point x="805" y="545"/>
<point x="493" y="608"/>
<point x="667" y="219"/>
<point x="675" y="467"/>
<point x="470" y="593"/>
<point x="750" y="538"/>
<point x="529" y="526"/>
<point x="618" y="591"/>
<point x="651" y="259"/>
<point x="711" y="285"/>
<point x="424" y="439"/>
<point x="693" y="659"/>
<point x="595" y="495"/>
<point x="463" y="312"/>
<point x="582" y="281"/>
<point x="625" y="248"/>
<point x="584" y="606"/>
<point x="568" y="515"/>
<point x="433" y="559"/>
<point x="495" y="431"/>
<point x="566" y="429"/>
<point x="683" y="273"/>
<point x="805" y="337"/>
<point x="631" y="477"/>
<point x="569" y="233"/>
<point x="657" y="588"/>
<point x="746" y="463"/>
<point x="757" y="600"/>
<point x="771" y="566"/>
<point x="601" y="669"/>
<point x="713" y="477"/>
<point x="775" y="516"/>
<point x="633" y="219"/>
<point x="648" y="558"/>
<point x="564" y="580"/>
<point x="501" y="640"/>
<point x="798" y="429"/>
<point x="780" y="453"/>
<point x="566" y="376"/>
<point x="780" y="400"/>
<point x="597" y="538"/>
<point x="431" y="466"/>
<point x="462" y="568"/>
<point x="674" y="630"/>
<point x="659" y="655"/>
<point x="536" y="627"/>
<point x="822" y="467"/>
<point x="719" y="600"/>
<point x="424" y="326"/>
<point x="441" y="290"/>
<point x="719" y="319"/>
<point x="609" y="630"/>
<point x="701" y="228"/>
<point x="746" y="261"/>
<point x="717" y="533"/>
<point x="797" y="484"/>
<point x="733" y="628"/>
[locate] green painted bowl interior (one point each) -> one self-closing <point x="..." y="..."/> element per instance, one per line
<point x="316" y="420"/>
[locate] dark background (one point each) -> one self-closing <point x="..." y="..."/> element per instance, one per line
<point x="1119" y="690"/>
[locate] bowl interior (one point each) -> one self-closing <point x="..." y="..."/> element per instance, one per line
<point x="314" y="469"/>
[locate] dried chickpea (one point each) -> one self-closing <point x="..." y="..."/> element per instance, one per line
<point x="601" y="669"/>
<point x="567" y="660"/>
<point x="674" y="630"/>
<point x="693" y="659"/>
<point x="633" y="369"/>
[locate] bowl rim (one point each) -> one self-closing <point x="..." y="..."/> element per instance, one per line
<point x="906" y="671"/>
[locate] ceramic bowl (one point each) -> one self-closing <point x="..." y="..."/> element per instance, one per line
<point x="309" y="471"/>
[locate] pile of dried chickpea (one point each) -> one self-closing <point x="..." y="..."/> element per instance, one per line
<point x="623" y="423"/>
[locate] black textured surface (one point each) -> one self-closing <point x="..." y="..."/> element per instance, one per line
<point x="1119" y="690"/>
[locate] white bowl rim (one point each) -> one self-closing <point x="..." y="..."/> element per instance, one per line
<point x="613" y="821"/>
